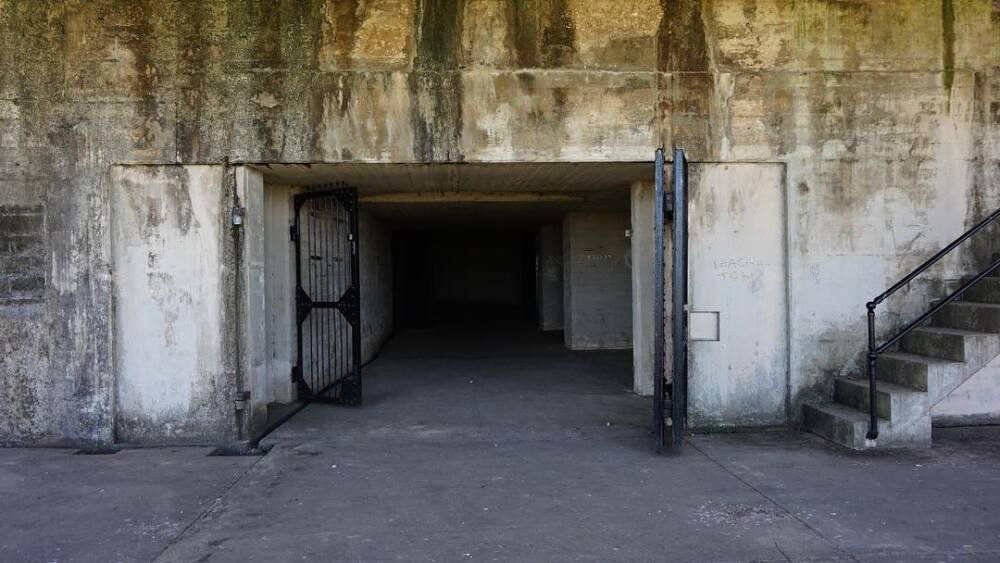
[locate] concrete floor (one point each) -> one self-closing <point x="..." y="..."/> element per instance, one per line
<point x="500" y="445"/>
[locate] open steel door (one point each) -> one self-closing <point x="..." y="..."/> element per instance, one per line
<point x="670" y="388"/>
<point x="327" y="295"/>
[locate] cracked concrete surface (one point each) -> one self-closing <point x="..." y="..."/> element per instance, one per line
<point x="500" y="445"/>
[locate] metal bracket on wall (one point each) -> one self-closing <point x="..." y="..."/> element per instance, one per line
<point x="241" y="400"/>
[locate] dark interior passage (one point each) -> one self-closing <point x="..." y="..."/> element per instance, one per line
<point x="467" y="276"/>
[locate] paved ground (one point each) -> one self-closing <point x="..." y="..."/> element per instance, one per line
<point x="503" y="446"/>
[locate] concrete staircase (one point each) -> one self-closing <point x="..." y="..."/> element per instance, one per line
<point x="931" y="362"/>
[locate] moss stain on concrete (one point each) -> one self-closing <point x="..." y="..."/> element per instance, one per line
<point x="435" y="85"/>
<point x="948" y="44"/>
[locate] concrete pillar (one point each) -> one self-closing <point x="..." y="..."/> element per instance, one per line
<point x="279" y="288"/>
<point x="643" y="294"/>
<point x="549" y="256"/>
<point x="252" y="302"/>
<point x="597" y="301"/>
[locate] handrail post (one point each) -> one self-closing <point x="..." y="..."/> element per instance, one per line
<point x="872" y="386"/>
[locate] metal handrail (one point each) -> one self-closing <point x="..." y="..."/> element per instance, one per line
<point x="875" y="351"/>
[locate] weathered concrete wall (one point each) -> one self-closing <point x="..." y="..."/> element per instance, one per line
<point x="881" y="116"/>
<point x="549" y="273"/>
<point x="737" y="296"/>
<point x="597" y="281"/>
<point x="168" y="248"/>
<point x="886" y="115"/>
<point x="376" y="284"/>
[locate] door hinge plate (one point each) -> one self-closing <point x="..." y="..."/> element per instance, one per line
<point x="241" y="400"/>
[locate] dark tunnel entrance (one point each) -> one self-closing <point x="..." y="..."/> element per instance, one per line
<point x="463" y="276"/>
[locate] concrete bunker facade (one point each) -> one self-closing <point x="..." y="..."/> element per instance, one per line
<point x="836" y="145"/>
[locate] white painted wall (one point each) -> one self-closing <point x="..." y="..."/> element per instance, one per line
<point x="597" y="281"/>
<point x="738" y="364"/>
<point x="169" y="327"/>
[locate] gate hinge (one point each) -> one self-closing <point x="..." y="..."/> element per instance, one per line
<point x="241" y="400"/>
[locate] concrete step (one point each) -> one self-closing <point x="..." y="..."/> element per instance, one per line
<point x="895" y="402"/>
<point x="937" y="360"/>
<point x="951" y="343"/>
<point x="986" y="291"/>
<point x="969" y="315"/>
<point x="913" y="370"/>
<point x="837" y="423"/>
<point x="848" y="427"/>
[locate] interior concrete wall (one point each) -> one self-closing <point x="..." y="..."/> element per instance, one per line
<point x="883" y="113"/>
<point x="173" y="380"/>
<point x="549" y="277"/>
<point x="643" y="247"/>
<point x="737" y="296"/>
<point x="597" y="281"/>
<point x="376" y="284"/>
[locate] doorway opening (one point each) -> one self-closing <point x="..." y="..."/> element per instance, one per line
<point x="522" y="264"/>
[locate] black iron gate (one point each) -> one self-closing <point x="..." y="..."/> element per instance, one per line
<point x="670" y="396"/>
<point x="327" y="295"/>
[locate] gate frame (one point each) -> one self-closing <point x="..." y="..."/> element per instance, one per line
<point x="670" y="397"/>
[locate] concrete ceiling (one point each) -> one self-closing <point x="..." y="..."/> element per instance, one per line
<point x="474" y="196"/>
<point x="492" y="217"/>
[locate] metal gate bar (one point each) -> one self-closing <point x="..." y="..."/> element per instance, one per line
<point x="327" y="296"/>
<point x="670" y="397"/>
<point x="678" y="392"/>
<point x="659" y="302"/>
